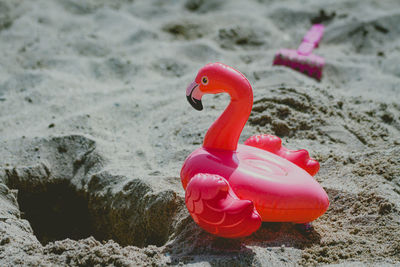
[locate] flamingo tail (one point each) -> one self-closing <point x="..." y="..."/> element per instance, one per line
<point x="273" y="144"/>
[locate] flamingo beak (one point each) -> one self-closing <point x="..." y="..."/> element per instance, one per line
<point x="193" y="95"/>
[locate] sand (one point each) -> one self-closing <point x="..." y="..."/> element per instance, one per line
<point x="95" y="126"/>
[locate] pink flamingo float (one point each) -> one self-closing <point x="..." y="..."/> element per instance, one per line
<point x="231" y="188"/>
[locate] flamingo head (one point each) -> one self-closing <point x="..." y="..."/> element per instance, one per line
<point x="213" y="78"/>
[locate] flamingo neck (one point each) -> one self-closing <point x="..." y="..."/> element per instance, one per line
<point x="224" y="133"/>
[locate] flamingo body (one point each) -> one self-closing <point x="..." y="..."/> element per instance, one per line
<point x="280" y="190"/>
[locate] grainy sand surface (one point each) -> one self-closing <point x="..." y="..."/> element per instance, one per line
<point x="95" y="126"/>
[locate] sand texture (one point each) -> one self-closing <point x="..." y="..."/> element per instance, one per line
<point x="95" y="126"/>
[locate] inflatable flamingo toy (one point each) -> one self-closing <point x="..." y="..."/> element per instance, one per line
<point x="231" y="188"/>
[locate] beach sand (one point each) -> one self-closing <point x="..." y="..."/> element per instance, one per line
<point x="95" y="126"/>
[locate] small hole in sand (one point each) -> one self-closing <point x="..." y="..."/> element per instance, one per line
<point x="56" y="211"/>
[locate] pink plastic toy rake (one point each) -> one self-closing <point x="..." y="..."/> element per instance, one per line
<point x="301" y="59"/>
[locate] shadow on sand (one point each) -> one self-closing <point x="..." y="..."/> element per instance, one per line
<point x="193" y="245"/>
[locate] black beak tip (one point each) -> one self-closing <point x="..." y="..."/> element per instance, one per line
<point x="196" y="104"/>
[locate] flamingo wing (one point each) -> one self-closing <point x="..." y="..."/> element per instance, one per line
<point x="215" y="207"/>
<point x="273" y="144"/>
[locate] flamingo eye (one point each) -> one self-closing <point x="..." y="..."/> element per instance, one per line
<point x="204" y="80"/>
